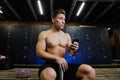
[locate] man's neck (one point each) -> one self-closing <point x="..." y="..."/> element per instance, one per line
<point x="55" y="29"/>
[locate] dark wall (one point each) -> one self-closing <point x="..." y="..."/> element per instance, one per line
<point x="117" y="43"/>
<point x="94" y="45"/>
<point x="18" y="42"/>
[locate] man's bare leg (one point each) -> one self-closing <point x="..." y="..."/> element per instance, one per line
<point x="85" y="72"/>
<point x="48" y="74"/>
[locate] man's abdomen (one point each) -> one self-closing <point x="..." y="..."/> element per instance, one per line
<point x="58" y="51"/>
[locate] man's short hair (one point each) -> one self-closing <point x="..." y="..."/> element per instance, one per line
<point x="59" y="11"/>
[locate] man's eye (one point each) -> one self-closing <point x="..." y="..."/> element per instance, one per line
<point x="60" y="18"/>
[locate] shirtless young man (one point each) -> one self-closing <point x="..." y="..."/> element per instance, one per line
<point x="52" y="45"/>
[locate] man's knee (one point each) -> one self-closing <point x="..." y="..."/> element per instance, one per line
<point x="86" y="71"/>
<point x="48" y="74"/>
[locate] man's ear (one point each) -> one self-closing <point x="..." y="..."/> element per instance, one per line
<point x="53" y="19"/>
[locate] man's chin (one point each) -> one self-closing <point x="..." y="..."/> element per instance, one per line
<point x="62" y="27"/>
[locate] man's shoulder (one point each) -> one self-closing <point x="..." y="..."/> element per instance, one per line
<point x="67" y="34"/>
<point x="64" y="32"/>
<point x="44" y="32"/>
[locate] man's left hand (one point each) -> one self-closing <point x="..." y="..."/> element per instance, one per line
<point x="75" y="46"/>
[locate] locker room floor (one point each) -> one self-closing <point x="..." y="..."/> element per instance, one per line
<point x="102" y="74"/>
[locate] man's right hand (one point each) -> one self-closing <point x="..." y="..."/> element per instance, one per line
<point x="62" y="63"/>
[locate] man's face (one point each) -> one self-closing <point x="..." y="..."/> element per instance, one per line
<point x="59" y="21"/>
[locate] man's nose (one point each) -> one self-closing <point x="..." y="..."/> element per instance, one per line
<point x="63" y="21"/>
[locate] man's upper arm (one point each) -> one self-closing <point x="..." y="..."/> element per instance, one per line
<point x="69" y="39"/>
<point x="41" y="44"/>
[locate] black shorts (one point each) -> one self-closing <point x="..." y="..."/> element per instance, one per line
<point x="53" y="65"/>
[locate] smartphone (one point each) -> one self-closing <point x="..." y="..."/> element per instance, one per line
<point x="75" y="40"/>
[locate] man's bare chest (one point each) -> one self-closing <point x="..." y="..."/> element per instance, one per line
<point x="53" y="41"/>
